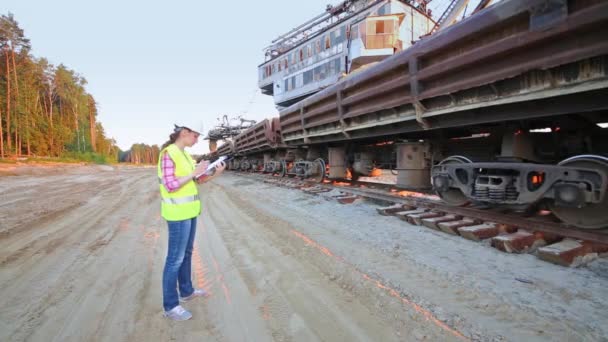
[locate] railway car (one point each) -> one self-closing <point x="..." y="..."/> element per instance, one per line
<point x="508" y="108"/>
<point x="258" y="148"/>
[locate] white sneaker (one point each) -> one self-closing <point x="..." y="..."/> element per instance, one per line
<point x="178" y="314"/>
<point x="196" y="293"/>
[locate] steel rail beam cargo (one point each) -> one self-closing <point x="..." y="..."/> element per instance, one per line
<point x="507" y="107"/>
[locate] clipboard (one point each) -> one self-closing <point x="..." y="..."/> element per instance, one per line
<point x="211" y="167"/>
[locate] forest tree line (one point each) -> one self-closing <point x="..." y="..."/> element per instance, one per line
<point x="45" y="110"/>
<point x="140" y="154"/>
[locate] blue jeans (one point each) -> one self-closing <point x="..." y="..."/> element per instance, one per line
<point x="178" y="265"/>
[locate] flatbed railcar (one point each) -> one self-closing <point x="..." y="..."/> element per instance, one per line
<point x="508" y="107"/>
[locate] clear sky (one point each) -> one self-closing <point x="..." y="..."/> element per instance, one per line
<point x="150" y="64"/>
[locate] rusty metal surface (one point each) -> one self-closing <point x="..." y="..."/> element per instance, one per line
<point x="226" y="148"/>
<point x="265" y="135"/>
<point x="506" y="54"/>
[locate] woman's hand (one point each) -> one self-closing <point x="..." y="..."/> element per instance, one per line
<point x="217" y="170"/>
<point x="201" y="167"/>
<point x="220" y="168"/>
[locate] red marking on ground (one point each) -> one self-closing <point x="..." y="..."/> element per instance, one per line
<point x="124" y="224"/>
<point x="217" y="268"/>
<point x="310" y="242"/>
<point x="207" y="284"/>
<point x="425" y="313"/>
<point x="151" y="240"/>
<point x="152" y="236"/>
<point x="265" y="312"/>
<point x="200" y="270"/>
<point x="220" y="278"/>
<point x="226" y="293"/>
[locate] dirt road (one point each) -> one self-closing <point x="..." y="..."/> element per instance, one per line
<point x="82" y="251"/>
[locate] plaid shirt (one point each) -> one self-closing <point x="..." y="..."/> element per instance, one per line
<point x="170" y="180"/>
<point x="167" y="166"/>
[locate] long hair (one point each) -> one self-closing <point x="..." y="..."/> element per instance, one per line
<point x="172" y="138"/>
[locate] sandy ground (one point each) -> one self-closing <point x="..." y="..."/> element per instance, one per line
<point x="82" y="251"/>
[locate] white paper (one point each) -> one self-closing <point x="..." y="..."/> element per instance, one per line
<point x="211" y="167"/>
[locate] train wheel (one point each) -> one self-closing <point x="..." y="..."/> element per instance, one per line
<point x="591" y="216"/>
<point x="353" y="175"/>
<point x="289" y="170"/>
<point x="454" y="197"/>
<point x="319" y="165"/>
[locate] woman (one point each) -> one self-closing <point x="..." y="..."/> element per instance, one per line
<point x="180" y="206"/>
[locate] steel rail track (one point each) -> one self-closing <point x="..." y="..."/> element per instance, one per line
<point x="514" y="220"/>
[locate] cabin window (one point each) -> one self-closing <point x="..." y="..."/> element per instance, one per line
<point x="309" y="48"/>
<point x="354" y="32"/>
<point x="362" y="33"/>
<point x="384" y="9"/>
<point x="327" y="43"/>
<point x="307" y="77"/>
<point x="370" y="27"/>
<point x="321" y="72"/>
<point x="286" y="64"/>
<point x="317" y="73"/>
<point x="301" y="55"/>
<point x="389" y="26"/>
<point x="380" y="26"/>
<point x="337" y="36"/>
<point x="318" y="46"/>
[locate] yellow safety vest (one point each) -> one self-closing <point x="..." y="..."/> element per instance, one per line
<point x="184" y="203"/>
